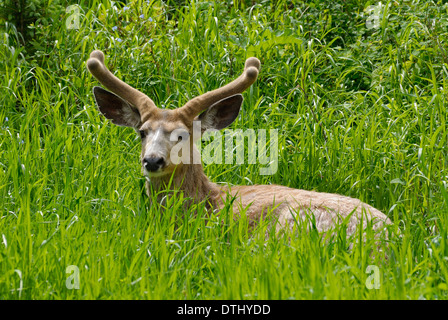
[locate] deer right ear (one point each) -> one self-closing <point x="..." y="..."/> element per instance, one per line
<point x="221" y="114"/>
<point x="114" y="108"/>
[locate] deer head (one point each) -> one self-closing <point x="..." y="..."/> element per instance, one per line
<point x="161" y="130"/>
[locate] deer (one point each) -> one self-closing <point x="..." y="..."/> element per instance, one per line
<point x="161" y="129"/>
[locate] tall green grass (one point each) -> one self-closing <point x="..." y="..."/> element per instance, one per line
<point x="360" y="112"/>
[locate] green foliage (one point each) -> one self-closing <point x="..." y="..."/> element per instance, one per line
<point x="29" y="16"/>
<point x="359" y="102"/>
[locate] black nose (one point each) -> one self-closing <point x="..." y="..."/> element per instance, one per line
<point x="153" y="164"/>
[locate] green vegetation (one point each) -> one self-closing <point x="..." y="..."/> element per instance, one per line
<point x="360" y="104"/>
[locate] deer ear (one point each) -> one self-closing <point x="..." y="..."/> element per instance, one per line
<point x="221" y="114"/>
<point x="114" y="108"/>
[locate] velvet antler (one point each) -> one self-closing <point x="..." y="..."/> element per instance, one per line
<point x="138" y="99"/>
<point x="193" y="107"/>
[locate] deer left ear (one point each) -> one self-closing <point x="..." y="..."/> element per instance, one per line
<point x="118" y="110"/>
<point x="221" y="114"/>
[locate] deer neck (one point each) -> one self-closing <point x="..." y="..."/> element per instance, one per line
<point x="191" y="180"/>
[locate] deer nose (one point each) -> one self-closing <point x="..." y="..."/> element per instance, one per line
<point x="153" y="164"/>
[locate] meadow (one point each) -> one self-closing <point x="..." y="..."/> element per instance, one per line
<point x="357" y="91"/>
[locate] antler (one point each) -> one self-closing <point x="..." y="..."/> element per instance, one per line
<point x="138" y="99"/>
<point x="193" y="107"/>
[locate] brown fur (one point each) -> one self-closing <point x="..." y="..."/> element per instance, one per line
<point x="287" y="205"/>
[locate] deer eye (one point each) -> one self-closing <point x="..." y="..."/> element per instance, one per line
<point x="183" y="136"/>
<point x="142" y="134"/>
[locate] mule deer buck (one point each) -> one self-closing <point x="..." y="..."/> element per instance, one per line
<point x="217" y="109"/>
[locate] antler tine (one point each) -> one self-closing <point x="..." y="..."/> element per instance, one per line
<point x="138" y="99"/>
<point x="193" y="107"/>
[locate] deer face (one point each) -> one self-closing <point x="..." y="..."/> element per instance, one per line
<point x="159" y="137"/>
<point x="168" y="136"/>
